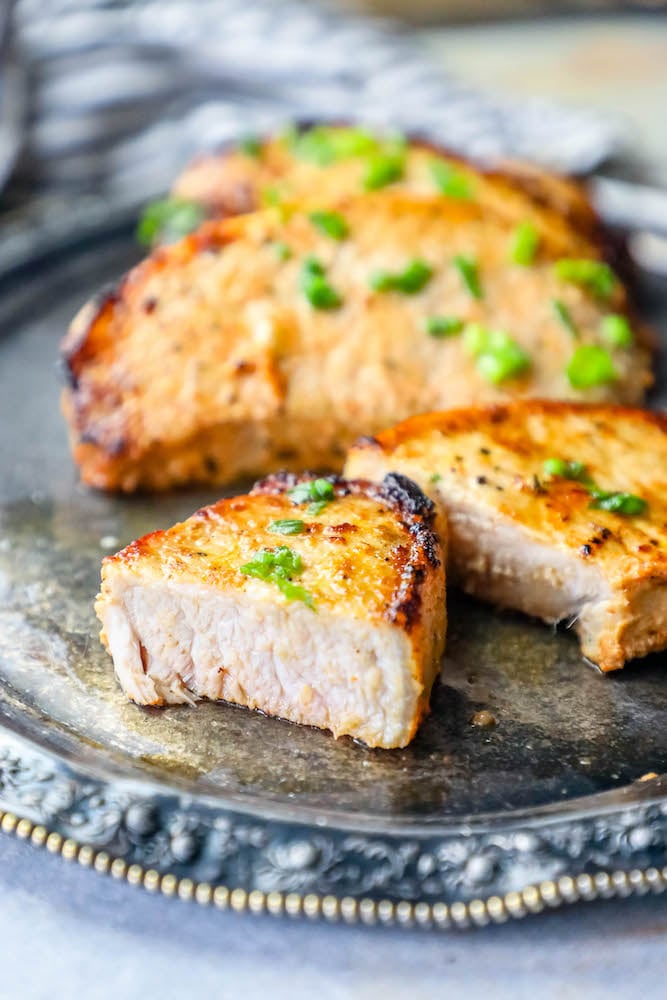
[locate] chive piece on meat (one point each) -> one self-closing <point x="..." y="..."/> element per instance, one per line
<point x="590" y="366"/>
<point x="524" y="243"/>
<point x="469" y="272"/>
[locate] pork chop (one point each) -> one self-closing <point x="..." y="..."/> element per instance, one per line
<point x="555" y="509"/>
<point x="317" y="600"/>
<point x="277" y="338"/>
<point x="324" y="163"/>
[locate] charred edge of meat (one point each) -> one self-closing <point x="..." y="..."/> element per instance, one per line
<point x="404" y="493"/>
<point x="106" y="298"/>
<point x="396" y="490"/>
<point x="415" y="510"/>
<point x="407" y="606"/>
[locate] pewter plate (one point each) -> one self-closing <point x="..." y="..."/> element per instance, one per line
<point x="463" y="824"/>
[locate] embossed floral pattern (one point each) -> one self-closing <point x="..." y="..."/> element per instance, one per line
<point x="218" y="846"/>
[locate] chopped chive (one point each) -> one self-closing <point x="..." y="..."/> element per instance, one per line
<point x="168" y="220"/>
<point x="617" y="331"/>
<point x="524" y="243"/>
<point x="449" y="181"/>
<point x="316" y="288"/>
<point x="560" y="468"/>
<point x="278" y="566"/>
<point x="435" y="478"/>
<point x="564" y="317"/>
<point x="443" y="326"/>
<point x="251" y="146"/>
<point x="617" y="503"/>
<point x="319" y="492"/>
<point x="287" y="526"/>
<point x="499" y="357"/>
<point x="469" y="272"/>
<point x="331" y="224"/>
<point x="273" y="197"/>
<point x="628" y="504"/>
<point x="382" y="170"/>
<point x="589" y="366"/>
<point x="476" y="338"/>
<point x="293" y="592"/>
<point x="593" y="275"/>
<point x="282" y="250"/>
<point x="503" y="364"/>
<point x="411" y="280"/>
<point x="323" y="144"/>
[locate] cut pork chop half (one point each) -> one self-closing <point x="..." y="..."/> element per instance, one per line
<point x="318" y="600"/>
<point x="555" y="509"/>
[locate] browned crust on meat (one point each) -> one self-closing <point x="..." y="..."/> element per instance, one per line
<point x="469" y="417"/>
<point x="416" y="513"/>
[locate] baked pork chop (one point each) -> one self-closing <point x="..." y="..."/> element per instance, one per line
<point x="277" y="338"/>
<point x="324" y="163"/>
<point x="555" y="509"/>
<point x="317" y="600"/>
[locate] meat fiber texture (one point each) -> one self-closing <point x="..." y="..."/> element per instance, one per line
<point x="348" y="639"/>
<point x="523" y="538"/>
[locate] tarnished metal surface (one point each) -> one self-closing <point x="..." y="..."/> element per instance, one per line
<point x="562" y="729"/>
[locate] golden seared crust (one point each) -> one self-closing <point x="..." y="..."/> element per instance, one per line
<point x="208" y="362"/>
<point x="525" y="538"/>
<point x="232" y="182"/>
<point x="499" y="452"/>
<point x="368" y="553"/>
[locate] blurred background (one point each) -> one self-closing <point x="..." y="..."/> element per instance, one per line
<point x="103" y="101"/>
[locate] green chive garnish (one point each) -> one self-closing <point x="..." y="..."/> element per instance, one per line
<point x="319" y="492"/>
<point x="168" y="220"/>
<point x="617" y="331"/>
<point x="560" y="468"/>
<point x="589" y="366"/>
<point x="435" y="478"/>
<point x="443" y="326"/>
<point x="564" y="317"/>
<point x="450" y="181"/>
<point x="331" y="224"/>
<point x="278" y="566"/>
<point x="382" y="170"/>
<point x="628" y="504"/>
<point x="316" y="288"/>
<point x="271" y="196"/>
<point x="499" y="357"/>
<point x="287" y="526"/>
<point x="325" y="144"/>
<point x="524" y="243"/>
<point x="281" y="250"/>
<point x="593" y="275"/>
<point x="467" y="268"/>
<point x="409" y="281"/>
<point x="251" y="146"/>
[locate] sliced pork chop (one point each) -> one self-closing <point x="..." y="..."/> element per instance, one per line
<point x="317" y="600"/>
<point x="276" y="340"/>
<point x="556" y="509"/>
<point x="322" y="164"/>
